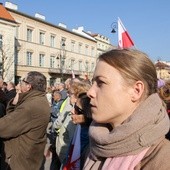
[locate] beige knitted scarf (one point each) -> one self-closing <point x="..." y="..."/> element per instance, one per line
<point x="142" y="129"/>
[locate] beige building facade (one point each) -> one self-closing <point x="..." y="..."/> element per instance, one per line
<point x="103" y="43"/>
<point x="30" y="43"/>
<point x="54" y="50"/>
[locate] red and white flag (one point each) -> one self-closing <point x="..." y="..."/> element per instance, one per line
<point x="73" y="161"/>
<point x="124" y="40"/>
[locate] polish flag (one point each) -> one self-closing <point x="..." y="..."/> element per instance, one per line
<point x="73" y="161"/>
<point x="124" y="40"/>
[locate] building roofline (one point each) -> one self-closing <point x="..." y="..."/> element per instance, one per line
<point x="5" y="15"/>
<point x="4" y="19"/>
<point x="48" y="23"/>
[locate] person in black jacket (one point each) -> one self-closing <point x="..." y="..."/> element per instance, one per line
<point x="2" y="96"/>
<point x="2" y="113"/>
<point x="11" y="91"/>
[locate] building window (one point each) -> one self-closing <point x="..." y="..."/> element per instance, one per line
<point x="92" y="66"/>
<point x="52" y="40"/>
<point x="80" y="65"/>
<point x="41" y="60"/>
<point x="29" y="58"/>
<point x="42" y="38"/>
<point x="52" y="81"/>
<point x="92" y="51"/>
<point x="72" y="46"/>
<point x="52" y="61"/>
<point x="86" y="50"/>
<point x="79" y="48"/>
<point x="63" y="43"/>
<point x="29" y="35"/>
<point x="1" y="41"/>
<point x="72" y="64"/>
<point x="87" y="66"/>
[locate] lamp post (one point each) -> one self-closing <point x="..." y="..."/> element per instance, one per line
<point x="114" y="27"/>
<point x="114" y="30"/>
<point x="62" y="59"/>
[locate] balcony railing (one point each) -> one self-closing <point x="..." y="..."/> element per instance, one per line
<point x="64" y="71"/>
<point x="54" y="70"/>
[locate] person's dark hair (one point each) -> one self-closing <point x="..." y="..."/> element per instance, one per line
<point x="133" y="65"/>
<point x="85" y="103"/>
<point x="57" y="92"/>
<point x="37" y="80"/>
<point x="4" y="83"/>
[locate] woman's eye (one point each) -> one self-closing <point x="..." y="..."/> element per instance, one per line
<point x="99" y="83"/>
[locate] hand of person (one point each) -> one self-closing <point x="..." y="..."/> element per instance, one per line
<point x="15" y="100"/>
<point x="18" y="88"/>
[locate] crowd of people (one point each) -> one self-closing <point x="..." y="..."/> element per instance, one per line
<point x="63" y="123"/>
<point x="120" y="118"/>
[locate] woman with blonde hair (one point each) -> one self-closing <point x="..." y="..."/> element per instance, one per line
<point x="67" y="127"/>
<point x="129" y="118"/>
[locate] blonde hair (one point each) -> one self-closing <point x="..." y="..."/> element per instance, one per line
<point x="133" y="65"/>
<point x="79" y="87"/>
<point x="164" y="91"/>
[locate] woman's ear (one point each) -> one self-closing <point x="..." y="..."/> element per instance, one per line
<point x="138" y="89"/>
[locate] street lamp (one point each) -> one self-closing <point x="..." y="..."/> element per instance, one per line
<point x="62" y="59"/>
<point x="114" y="27"/>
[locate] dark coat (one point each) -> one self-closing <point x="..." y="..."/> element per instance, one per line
<point x="10" y="95"/>
<point x="2" y="98"/>
<point x="24" y="128"/>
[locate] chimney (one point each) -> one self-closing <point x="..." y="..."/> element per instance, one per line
<point x="62" y="25"/>
<point x="11" y="6"/>
<point x="39" y="16"/>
